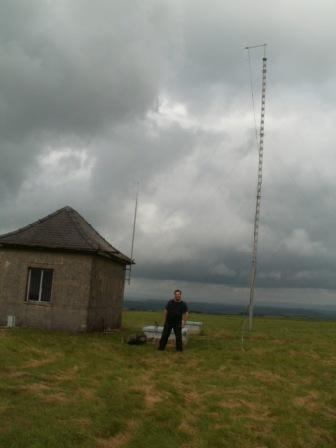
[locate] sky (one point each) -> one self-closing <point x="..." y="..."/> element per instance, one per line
<point x="96" y="97"/>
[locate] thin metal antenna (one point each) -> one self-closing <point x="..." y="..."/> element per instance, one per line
<point x="253" y="272"/>
<point x="248" y="47"/>
<point x="252" y="97"/>
<point x="133" y="232"/>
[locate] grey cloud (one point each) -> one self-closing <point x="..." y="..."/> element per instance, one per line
<point x="68" y="71"/>
<point x="68" y="76"/>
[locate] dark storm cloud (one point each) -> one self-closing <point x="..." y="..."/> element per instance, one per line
<point x="71" y="68"/>
<point x="96" y="96"/>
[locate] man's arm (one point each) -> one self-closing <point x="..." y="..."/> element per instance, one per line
<point x="165" y="314"/>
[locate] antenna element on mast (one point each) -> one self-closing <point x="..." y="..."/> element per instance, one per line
<point x="133" y="233"/>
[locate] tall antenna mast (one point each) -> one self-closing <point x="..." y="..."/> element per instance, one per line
<point x="253" y="272"/>
<point x="133" y="233"/>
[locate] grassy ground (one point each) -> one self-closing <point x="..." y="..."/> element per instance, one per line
<point x="64" y="390"/>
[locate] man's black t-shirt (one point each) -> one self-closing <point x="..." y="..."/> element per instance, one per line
<point x="175" y="310"/>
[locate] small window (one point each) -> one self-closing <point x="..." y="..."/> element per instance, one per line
<point x="39" y="284"/>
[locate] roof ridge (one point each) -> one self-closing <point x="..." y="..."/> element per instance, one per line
<point x="74" y="214"/>
<point x="74" y="219"/>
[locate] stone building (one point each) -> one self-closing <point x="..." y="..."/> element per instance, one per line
<point x="60" y="274"/>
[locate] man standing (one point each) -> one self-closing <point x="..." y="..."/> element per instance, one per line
<point x="176" y="315"/>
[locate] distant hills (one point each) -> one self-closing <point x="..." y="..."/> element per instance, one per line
<point x="311" y="311"/>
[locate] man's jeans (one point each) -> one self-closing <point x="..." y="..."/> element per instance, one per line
<point x="168" y="327"/>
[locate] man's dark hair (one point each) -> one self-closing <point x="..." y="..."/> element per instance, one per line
<point x="177" y="290"/>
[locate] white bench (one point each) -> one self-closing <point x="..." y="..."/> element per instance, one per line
<point x="154" y="334"/>
<point x="194" y="327"/>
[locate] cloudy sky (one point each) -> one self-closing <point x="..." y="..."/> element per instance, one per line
<point x="97" y="96"/>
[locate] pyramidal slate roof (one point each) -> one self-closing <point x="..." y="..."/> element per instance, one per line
<point x="66" y="230"/>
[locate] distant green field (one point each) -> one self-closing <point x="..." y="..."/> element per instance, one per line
<point x="91" y="390"/>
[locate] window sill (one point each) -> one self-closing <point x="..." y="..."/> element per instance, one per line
<point x="33" y="302"/>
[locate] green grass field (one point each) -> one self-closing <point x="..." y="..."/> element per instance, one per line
<point x="91" y="390"/>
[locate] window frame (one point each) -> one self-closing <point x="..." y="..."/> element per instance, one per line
<point x="39" y="301"/>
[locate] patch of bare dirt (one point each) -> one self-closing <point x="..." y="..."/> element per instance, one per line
<point x="48" y="359"/>
<point x="58" y="397"/>
<point x="224" y="335"/>
<point x="218" y="426"/>
<point x="330" y="412"/>
<point x="255" y="409"/>
<point x="259" y="351"/>
<point x="87" y="394"/>
<point x="151" y="395"/>
<point x="67" y="375"/>
<point x="4" y="332"/>
<point x="277" y="341"/>
<point x="120" y="439"/>
<point x="330" y="362"/>
<point x="36" y="388"/>
<point x="293" y="353"/>
<point x="188" y="428"/>
<point x="16" y="374"/>
<point x="232" y="404"/>
<point x="3" y="408"/>
<point x="322" y="435"/>
<point x="192" y="397"/>
<point x="45" y="393"/>
<point x="315" y="356"/>
<point x="82" y="422"/>
<point x="214" y="415"/>
<point x="267" y="377"/>
<point x="308" y="380"/>
<point x="309" y="401"/>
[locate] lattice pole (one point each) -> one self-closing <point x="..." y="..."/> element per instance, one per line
<point x="253" y="273"/>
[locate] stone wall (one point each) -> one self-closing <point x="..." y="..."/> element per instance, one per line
<point x="70" y="289"/>
<point x="107" y="292"/>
